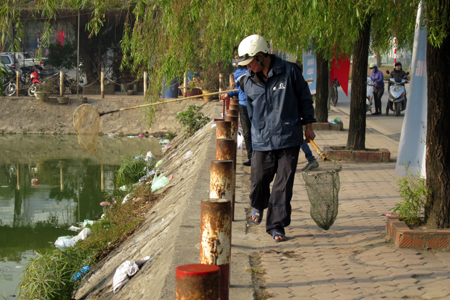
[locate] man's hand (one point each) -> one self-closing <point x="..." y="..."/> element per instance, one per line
<point x="223" y="96"/>
<point x="309" y="133"/>
<point x="375" y="83"/>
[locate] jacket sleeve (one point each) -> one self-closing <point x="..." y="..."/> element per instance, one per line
<point x="231" y="94"/>
<point x="305" y="102"/>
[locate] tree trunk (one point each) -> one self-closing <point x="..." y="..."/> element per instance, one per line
<point x="357" y="128"/>
<point x="322" y="85"/>
<point x="378" y="60"/>
<point x="437" y="207"/>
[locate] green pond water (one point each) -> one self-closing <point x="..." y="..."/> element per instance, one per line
<point x="47" y="184"/>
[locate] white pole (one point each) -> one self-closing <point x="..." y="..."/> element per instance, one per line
<point x="61" y="83"/>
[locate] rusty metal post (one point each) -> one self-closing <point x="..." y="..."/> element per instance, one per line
<point x="234" y="106"/>
<point x="223" y="129"/>
<point x="102" y="84"/>
<point x="221" y="182"/>
<point x="226" y="150"/>
<point x="215" y="239"/>
<point x="17" y="83"/>
<point x="235" y="102"/>
<point x="234" y="125"/>
<point x="197" y="281"/>
<point x="233" y="112"/>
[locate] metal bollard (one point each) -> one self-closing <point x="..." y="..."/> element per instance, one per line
<point x="233" y="112"/>
<point x="197" y="281"/>
<point x="226" y="150"/>
<point x="234" y="101"/>
<point x="234" y="106"/>
<point x="234" y="126"/>
<point x="223" y="129"/>
<point x="221" y="182"/>
<point x="215" y="239"/>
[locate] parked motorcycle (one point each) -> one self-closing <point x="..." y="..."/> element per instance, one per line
<point x="397" y="99"/>
<point x="369" y="95"/>
<point x="37" y="78"/>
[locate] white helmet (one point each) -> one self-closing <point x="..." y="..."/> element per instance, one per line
<point x="249" y="47"/>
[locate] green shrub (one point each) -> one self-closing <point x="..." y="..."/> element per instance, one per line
<point x="413" y="191"/>
<point x="49" y="275"/>
<point x="192" y="120"/>
<point x="131" y="169"/>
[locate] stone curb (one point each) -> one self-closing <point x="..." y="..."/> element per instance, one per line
<point x="404" y="237"/>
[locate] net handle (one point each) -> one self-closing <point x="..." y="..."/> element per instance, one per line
<point x="162" y="102"/>
<point x="318" y="150"/>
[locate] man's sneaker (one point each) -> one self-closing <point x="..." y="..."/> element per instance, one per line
<point x="247" y="163"/>
<point x="311" y="165"/>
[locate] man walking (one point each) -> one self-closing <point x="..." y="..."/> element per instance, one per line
<point x="279" y="103"/>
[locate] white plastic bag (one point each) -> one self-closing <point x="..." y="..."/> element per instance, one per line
<point x="123" y="272"/>
<point x="64" y="241"/>
<point x="240" y="139"/>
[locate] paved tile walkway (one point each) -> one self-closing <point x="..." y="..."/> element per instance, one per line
<point x="352" y="260"/>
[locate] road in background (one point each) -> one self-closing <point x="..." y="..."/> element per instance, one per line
<point x="390" y="126"/>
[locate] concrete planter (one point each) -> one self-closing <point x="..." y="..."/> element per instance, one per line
<point x="405" y="237"/>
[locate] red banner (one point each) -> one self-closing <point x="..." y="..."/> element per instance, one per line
<point x="60" y="34"/>
<point x="341" y="70"/>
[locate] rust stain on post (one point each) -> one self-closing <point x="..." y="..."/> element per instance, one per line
<point x="223" y="129"/>
<point x="215" y="238"/>
<point x="234" y="125"/>
<point x="221" y="182"/>
<point x="225" y="149"/>
<point x="234" y="101"/>
<point x="197" y="281"/>
<point x="233" y="112"/>
<point x="234" y="106"/>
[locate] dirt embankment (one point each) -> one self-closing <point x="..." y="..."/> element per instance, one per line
<point x="26" y="115"/>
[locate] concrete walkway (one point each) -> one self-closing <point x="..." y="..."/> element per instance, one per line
<point x="352" y="260"/>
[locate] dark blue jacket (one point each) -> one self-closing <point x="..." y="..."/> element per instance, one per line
<point x="240" y="93"/>
<point x="278" y="107"/>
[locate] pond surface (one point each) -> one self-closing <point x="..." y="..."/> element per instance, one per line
<point x="47" y="184"/>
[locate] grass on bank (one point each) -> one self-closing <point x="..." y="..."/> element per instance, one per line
<point x="50" y="275"/>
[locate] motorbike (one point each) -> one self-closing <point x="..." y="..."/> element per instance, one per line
<point x="37" y="79"/>
<point x="369" y="95"/>
<point x="397" y="99"/>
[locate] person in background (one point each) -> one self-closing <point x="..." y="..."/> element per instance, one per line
<point x="245" y="121"/>
<point x="396" y="73"/>
<point x="378" y="87"/>
<point x="279" y="103"/>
